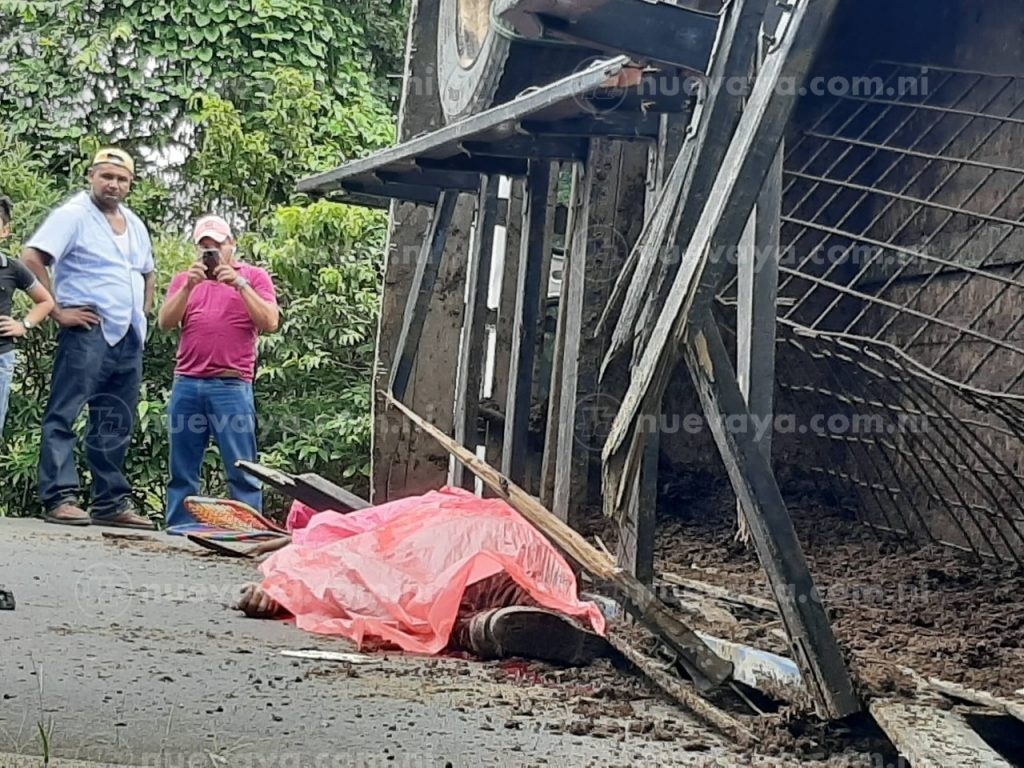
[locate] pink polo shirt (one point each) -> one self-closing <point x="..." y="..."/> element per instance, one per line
<point x="218" y="336"/>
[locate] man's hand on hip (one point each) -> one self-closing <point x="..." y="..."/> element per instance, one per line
<point x="76" y="318"/>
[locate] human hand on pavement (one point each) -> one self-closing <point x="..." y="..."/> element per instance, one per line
<point x="11" y="328"/>
<point x="79" y="317"/>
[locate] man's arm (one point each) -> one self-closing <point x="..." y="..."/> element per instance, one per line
<point x="173" y="310"/>
<point x="265" y="315"/>
<point x="147" y="302"/>
<point x="37" y="262"/>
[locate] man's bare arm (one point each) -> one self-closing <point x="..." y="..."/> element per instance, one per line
<point x="38" y="262"/>
<point x="147" y="302"/>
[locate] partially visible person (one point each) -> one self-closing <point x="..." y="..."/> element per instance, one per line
<point x="102" y="259"/>
<point x="14" y="277"/>
<point x="222" y="306"/>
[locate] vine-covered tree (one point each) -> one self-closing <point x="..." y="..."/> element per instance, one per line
<point x="226" y="103"/>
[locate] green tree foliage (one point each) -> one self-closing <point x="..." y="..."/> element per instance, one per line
<point x="226" y="103"/>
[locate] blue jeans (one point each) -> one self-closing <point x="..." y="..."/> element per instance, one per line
<point x="89" y="372"/>
<point x="199" y="408"/>
<point x="7" y="360"/>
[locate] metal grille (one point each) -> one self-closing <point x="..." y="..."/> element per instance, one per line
<point x="901" y="294"/>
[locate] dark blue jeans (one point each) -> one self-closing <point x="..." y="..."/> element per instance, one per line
<point x="88" y="372"/>
<point x="199" y="408"/>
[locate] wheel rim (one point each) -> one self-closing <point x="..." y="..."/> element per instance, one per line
<point x="473" y="24"/>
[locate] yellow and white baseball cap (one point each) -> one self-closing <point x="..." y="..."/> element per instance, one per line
<point x="115" y="156"/>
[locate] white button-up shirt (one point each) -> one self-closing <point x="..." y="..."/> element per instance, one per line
<point x="89" y="268"/>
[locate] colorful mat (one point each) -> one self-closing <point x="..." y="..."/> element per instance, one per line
<point x="225" y="520"/>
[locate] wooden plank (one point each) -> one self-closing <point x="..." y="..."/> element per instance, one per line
<point x="309" y="488"/>
<point x="705" y="668"/>
<point x="811" y="638"/>
<point x="504" y="312"/>
<point x="1012" y="707"/>
<point x="758" y="285"/>
<point x="611" y="195"/>
<point x="421" y="292"/>
<point x="570" y="478"/>
<point x="549" y="462"/>
<point x="720" y="593"/>
<point x="699" y="161"/>
<point x="681" y="691"/>
<point x="749" y="158"/>
<point x="529" y="287"/>
<point x="472" y="351"/>
<point x="456" y="138"/>
<point x="930" y="737"/>
<point x="757" y="291"/>
<point x="638" y="527"/>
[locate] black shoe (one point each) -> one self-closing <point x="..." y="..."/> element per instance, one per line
<point x="534" y="633"/>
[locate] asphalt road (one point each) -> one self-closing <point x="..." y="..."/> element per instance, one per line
<point x="127" y="652"/>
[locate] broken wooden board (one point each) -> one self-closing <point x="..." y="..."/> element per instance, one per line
<point x="705" y="667"/>
<point x="720" y="593"/>
<point x="682" y="692"/>
<point x="930" y="737"/>
<point x="1014" y="708"/>
<point x="309" y="488"/>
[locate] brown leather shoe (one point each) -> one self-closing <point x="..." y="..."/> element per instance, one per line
<point x="67" y="514"/>
<point x="127" y="517"/>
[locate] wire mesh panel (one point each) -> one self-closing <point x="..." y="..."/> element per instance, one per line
<point x="901" y="293"/>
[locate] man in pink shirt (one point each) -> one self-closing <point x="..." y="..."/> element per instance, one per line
<point x="222" y="305"/>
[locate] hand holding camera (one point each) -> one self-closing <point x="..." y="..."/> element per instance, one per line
<point x="211" y="260"/>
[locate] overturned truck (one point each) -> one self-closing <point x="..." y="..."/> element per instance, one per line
<point x="738" y="286"/>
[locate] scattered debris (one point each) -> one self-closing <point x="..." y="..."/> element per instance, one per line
<point x="6" y="599"/>
<point x="348" y="658"/>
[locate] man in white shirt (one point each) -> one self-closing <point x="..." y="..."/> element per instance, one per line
<point x="103" y="265"/>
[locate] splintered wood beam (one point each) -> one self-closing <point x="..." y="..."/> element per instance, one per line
<point x="420" y="293"/>
<point x="696" y="166"/>
<point x="705" y="668"/>
<point x="531" y="283"/>
<point x="812" y="642"/>
<point x="473" y="351"/>
<point x="930" y="737"/>
<point x="737" y="185"/>
<point x="681" y="691"/>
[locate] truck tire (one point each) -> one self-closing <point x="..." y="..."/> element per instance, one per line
<point x="478" y="67"/>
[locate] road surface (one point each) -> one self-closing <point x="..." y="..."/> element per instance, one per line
<point x="127" y="652"/>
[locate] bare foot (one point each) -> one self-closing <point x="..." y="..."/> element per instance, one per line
<point x="257" y="604"/>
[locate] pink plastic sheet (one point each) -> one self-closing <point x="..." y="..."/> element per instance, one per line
<point x="397" y="572"/>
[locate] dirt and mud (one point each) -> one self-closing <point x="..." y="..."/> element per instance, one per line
<point x="892" y="604"/>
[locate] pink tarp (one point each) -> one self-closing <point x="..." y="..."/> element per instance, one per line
<point x="398" y="571"/>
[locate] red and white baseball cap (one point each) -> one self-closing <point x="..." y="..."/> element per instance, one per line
<point x="213" y="227"/>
